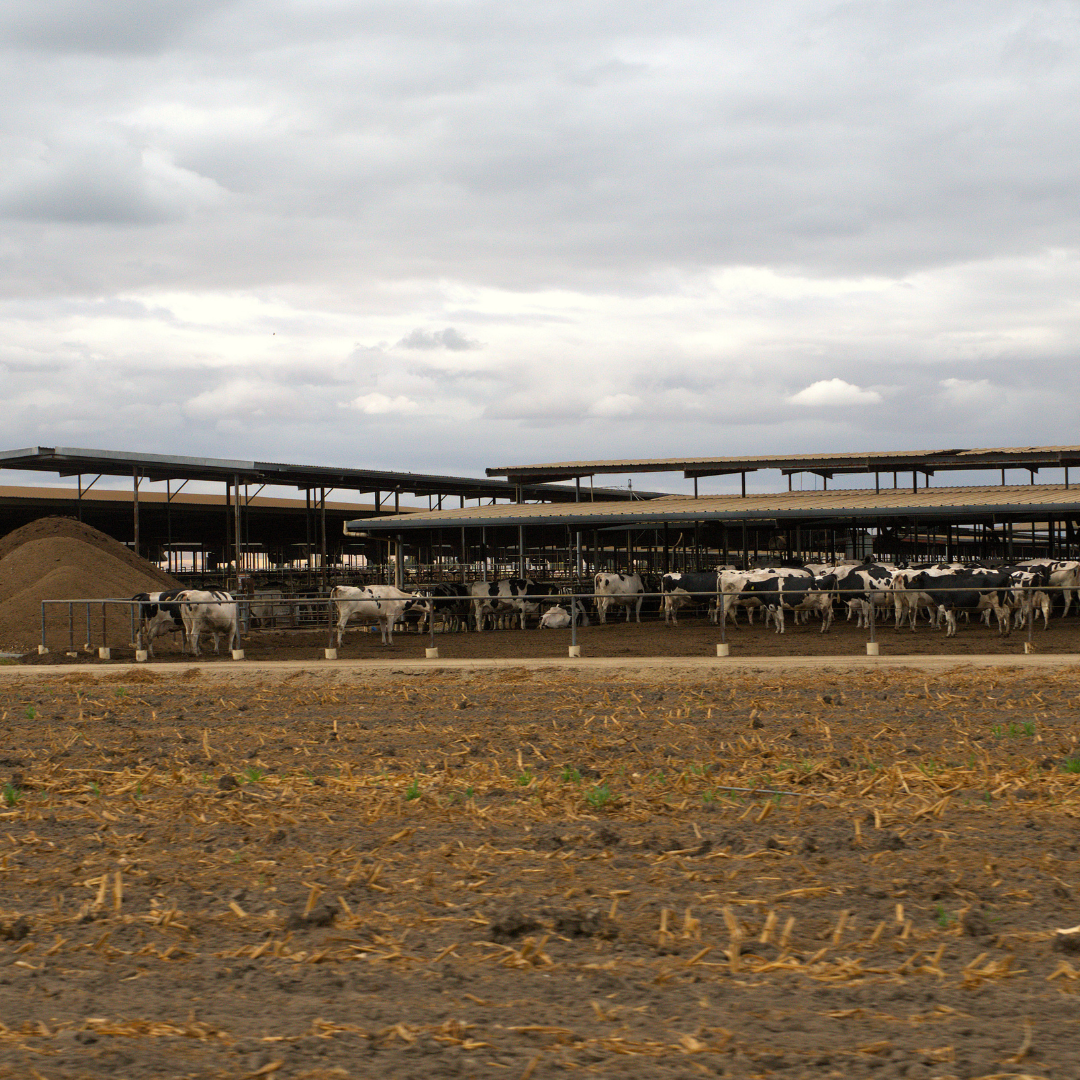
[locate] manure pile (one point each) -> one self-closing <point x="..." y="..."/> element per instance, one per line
<point x="58" y="558"/>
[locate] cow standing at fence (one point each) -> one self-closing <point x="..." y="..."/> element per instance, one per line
<point x="159" y="615"/>
<point x="379" y="604"/>
<point x="209" y="610"/>
<point x="510" y="596"/>
<point x="618" y="590"/>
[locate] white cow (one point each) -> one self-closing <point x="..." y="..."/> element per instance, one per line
<point x="381" y="604"/>
<point x="555" y="618"/>
<point x="618" y="590"/>
<point x="210" y="610"/>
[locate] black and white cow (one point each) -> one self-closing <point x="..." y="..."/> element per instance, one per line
<point x="775" y="592"/>
<point x="866" y="589"/>
<point x="964" y="590"/>
<point x="451" y="605"/>
<point x="618" y="590"/>
<point x="1064" y="574"/>
<point x="1029" y="596"/>
<point x="499" y="598"/>
<point x="731" y="588"/>
<point x="159" y="615"/>
<point x="682" y="590"/>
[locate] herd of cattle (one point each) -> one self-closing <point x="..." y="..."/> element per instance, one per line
<point x="1011" y="594"/>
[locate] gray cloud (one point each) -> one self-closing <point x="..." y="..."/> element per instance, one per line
<point x="244" y="220"/>
<point x="449" y="338"/>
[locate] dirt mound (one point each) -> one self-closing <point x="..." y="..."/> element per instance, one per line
<point x="61" y="559"/>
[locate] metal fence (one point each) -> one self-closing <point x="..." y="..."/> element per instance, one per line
<point x="117" y="622"/>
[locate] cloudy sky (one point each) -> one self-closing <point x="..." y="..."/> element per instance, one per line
<point x="446" y="234"/>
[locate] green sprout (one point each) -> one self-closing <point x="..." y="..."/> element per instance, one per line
<point x="598" y="796"/>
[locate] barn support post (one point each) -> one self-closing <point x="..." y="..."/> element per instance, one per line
<point x="135" y="504"/>
<point x="168" y="526"/>
<point x="629" y="551"/>
<point x="236" y="526"/>
<point x="78" y="497"/>
<point x="521" y="551"/>
<point x="579" y="571"/>
<point x="745" y="548"/>
<point x="307" y="534"/>
<point x="667" y="550"/>
<point x="724" y="541"/>
<point x="399" y="563"/>
<point x="322" y="538"/>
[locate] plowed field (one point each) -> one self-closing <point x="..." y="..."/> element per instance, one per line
<point x="539" y="874"/>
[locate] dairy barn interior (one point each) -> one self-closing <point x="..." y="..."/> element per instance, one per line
<point x="552" y="522"/>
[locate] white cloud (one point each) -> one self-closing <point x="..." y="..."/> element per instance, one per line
<point x="614" y="406"/>
<point x="834" y="393"/>
<point x="380" y="404"/>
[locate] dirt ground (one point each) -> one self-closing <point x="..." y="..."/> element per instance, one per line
<point x="537" y="874"/>
<point x="692" y="637"/>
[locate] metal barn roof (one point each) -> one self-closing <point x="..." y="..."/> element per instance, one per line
<point x="923" y="461"/>
<point x="845" y="504"/>
<point x="72" y="461"/>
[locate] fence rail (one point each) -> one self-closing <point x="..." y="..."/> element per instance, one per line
<point x="320" y="612"/>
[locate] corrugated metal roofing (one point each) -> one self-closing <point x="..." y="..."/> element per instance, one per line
<point x="877" y="461"/>
<point x="69" y="461"/>
<point x="841" y="504"/>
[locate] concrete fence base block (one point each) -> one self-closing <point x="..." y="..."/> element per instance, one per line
<point x="872" y="649"/>
<point x="432" y="654"/>
<point x="723" y="650"/>
<point x="238" y="654"/>
<point x="330" y="654"/>
<point x="42" y="650"/>
<point x="140" y="656"/>
<point x="575" y="650"/>
<point x="104" y="653"/>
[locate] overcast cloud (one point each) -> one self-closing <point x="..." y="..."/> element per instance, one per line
<point x="446" y="234"/>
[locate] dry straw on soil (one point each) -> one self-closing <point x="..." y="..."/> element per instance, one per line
<point x="530" y="876"/>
